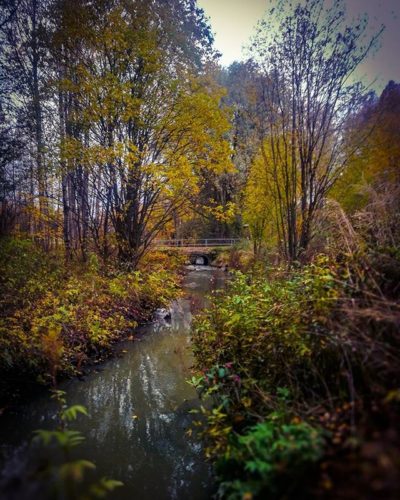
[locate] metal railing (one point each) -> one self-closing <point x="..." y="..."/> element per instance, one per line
<point x="206" y="242"/>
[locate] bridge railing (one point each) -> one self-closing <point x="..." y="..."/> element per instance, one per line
<point x="205" y="242"/>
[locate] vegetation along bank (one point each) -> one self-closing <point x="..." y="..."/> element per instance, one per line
<point x="57" y="319"/>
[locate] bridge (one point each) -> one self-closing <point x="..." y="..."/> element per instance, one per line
<point x="199" y="251"/>
<point x="197" y="243"/>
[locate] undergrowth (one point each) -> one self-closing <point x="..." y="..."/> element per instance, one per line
<point x="299" y="370"/>
<point x="55" y="318"/>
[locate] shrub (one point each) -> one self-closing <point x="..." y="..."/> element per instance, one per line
<point x="326" y="335"/>
<point x="53" y="320"/>
<point x="271" y="458"/>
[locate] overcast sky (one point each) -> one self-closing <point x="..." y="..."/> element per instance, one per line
<point x="233" y="23"/>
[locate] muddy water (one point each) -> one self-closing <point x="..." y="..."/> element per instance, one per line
<point x="139" y="410"/>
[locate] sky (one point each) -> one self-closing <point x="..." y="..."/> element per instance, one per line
<point x="233" y="22"/>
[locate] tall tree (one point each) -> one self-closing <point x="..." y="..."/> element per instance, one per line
<point x="24" y="62"/>
<point x="140" y="127"/>
<point x="306" y="60"/>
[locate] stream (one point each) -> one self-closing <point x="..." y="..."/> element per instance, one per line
<point x="138" y="404"/>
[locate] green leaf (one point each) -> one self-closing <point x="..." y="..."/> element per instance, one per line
<point x="72" y="412"/>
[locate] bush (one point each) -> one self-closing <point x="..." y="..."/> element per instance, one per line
<point x="271" y="458"/>
<point x="263" y="328"/>
<point x="54" y="319"/>
<point x="322" y="337"/>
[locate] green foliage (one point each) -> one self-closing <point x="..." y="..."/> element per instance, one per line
<point x="280" y="357"/>
<point x="26" y="273"/>
<point x="270" y="457"/>
<point x="65" y="439"/>
<point x="263" y="328"/>
<point x="65" y="477"/>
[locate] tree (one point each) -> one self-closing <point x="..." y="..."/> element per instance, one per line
<point x="306" y="61"/>
<point x="377" y="159"/>
<point x="258" y="204"/>
<point x="140" y="126"/>
<point x="24" y="62"/>
<point x="118" y="118"/>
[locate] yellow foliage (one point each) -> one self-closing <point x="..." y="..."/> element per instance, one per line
<point x="259" y="210"/>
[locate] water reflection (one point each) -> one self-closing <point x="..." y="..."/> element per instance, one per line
<point x="138" y="406"/>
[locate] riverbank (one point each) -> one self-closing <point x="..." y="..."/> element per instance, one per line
<point x="299" y="373"/>
<point x="139" y="405"/>
<point x="56" y="320"/>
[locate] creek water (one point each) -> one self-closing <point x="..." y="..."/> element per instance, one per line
<point x="138" y="404"/>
